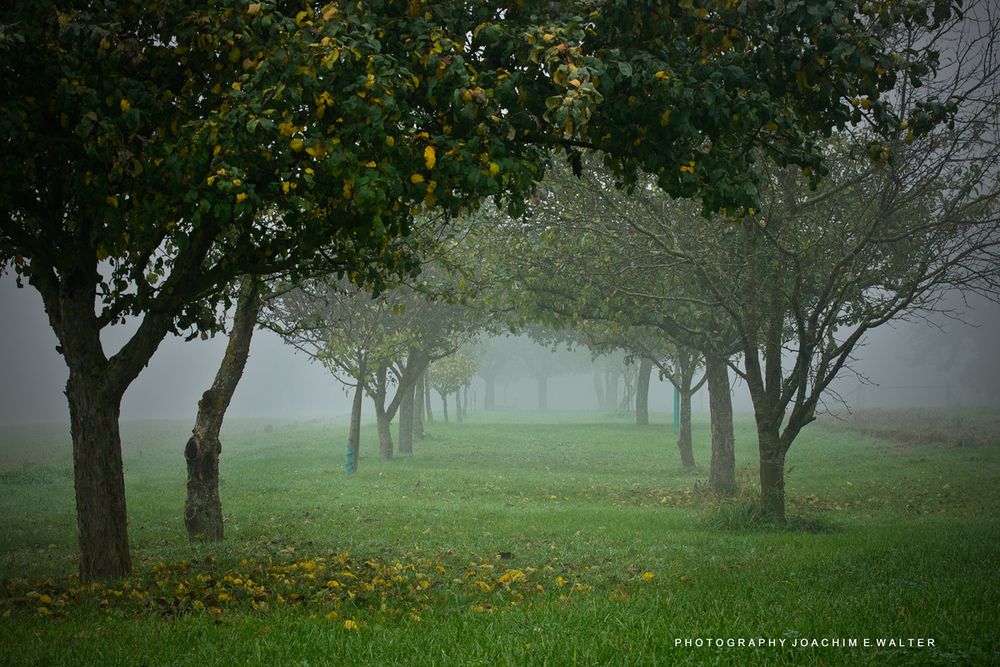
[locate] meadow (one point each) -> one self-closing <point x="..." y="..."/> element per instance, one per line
<point x="512" y="539"/>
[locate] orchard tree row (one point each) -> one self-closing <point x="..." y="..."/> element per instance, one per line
<point x="165" y="159"/>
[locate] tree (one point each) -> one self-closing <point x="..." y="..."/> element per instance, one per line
<point x="448" y="375"/>
<point x="203" y="507"/>
<point x="156" y="154"/>
<point x="578" y="262"/>
<point x="380" y="345"/>
<point x="876" y="242"/>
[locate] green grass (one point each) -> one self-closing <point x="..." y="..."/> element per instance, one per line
<point x="885" y="540"/>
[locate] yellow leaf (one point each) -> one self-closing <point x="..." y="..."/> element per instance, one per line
<point x="390" y="141"/>
<point x="416" y="178"/>
<point x="371" y="164"/>
<point x="494" y="169"/>
<point x="350" y="624"/>
<point x="665" y="118"/>
<point x="254" y="9"/>
<point x="242" y="197"/>
<point x="125" y="105"/>
<point x="430" y="157"/>
<point x="297" y="145"/>
<point x="316" y="151"/>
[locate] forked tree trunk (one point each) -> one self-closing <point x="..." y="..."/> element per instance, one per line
<point x="642" y="393"/>
<point x="722" y="474"/>
<point x="102" y="521"/>
<point x="418" y="408"/>
<point x="203" y="508"/>
<point x="406" y="421"/>
<point x="94" y="408"/>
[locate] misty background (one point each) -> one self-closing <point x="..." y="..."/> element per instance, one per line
<point x="943" y="363"/>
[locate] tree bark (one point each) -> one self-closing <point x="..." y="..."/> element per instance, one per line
<point x="444" y="404"/>
<point x="102" y="520"/>
<point x="459" y="415"/>
<point x="354" y="434"/>
<point x="406" y="420"/>
<point x="203" y="508"/>
<point x="642" y="393"/>
<point x="772" y="476"/>
<point x="543" y="392"/>
<point x="722" y="474"/>
<point x="383" y="423"/>
<point x="418" y="407"/>
<point x="489" y="400"/>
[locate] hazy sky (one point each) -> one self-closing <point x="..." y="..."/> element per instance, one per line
<point x="914" y="364"/>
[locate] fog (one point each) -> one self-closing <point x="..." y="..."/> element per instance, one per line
<point x="949" y="362"/>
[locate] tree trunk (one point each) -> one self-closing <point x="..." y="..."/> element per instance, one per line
<point x="543" y="393"/>
<point x="203" y="508"/>
<point x="489" y="400"/>
<point x="384" y="425"/>
<point x="722" y="474"/>
<point x="772" y="478"/>
<point x="684" y="431"/>
<point x="444" y="404"/>
<point x="427" y="397"/>
<point x="354" y="434"/>
<point x="642" y="393"/>
<point x="418" y="408"/>
<point x="102" y="521"/>
<point x="458" y="407"/>
<point x="406" y="420"/>
<point x="94" y="407"/>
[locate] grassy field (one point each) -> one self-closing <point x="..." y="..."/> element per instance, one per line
<point x="552" y="539"/>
